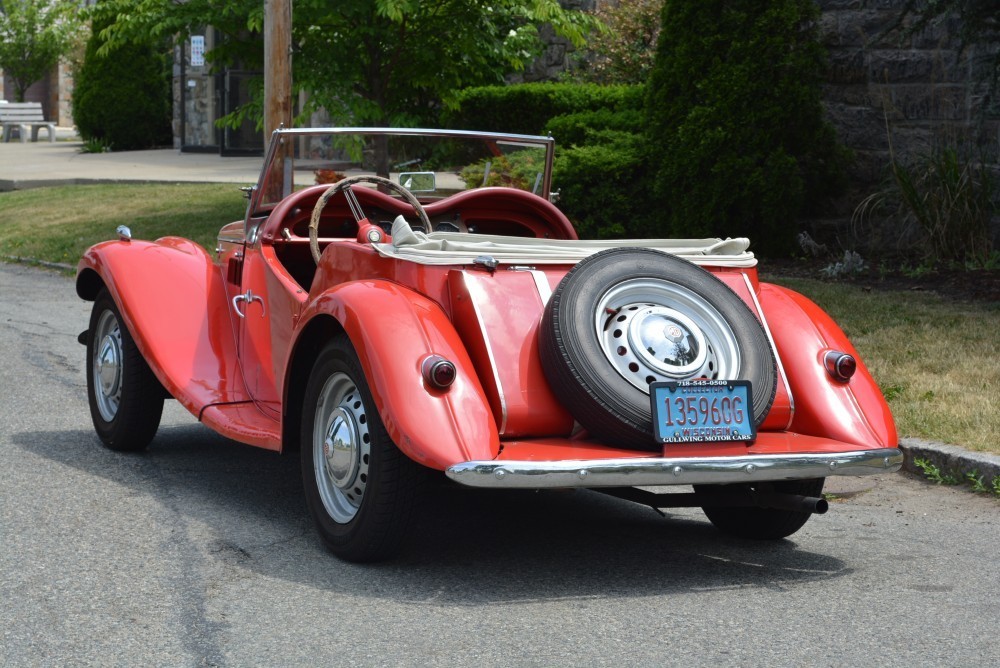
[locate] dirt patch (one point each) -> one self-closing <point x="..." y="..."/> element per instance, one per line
<point x="980" y="285"/>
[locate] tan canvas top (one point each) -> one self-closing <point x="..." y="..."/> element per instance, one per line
<point x="441" y="248"/>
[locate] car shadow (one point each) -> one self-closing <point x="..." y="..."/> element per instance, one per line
<point x="467" y="547"/>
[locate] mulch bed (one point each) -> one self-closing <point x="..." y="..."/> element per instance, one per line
<point x="980" y="285"/>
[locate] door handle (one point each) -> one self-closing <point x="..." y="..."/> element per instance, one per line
<point x="249" y="298"/>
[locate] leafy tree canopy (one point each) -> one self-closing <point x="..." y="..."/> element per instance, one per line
<point x="381" y="62"/>
<point x="623" y="50"/>
<point x="34" y="34"/>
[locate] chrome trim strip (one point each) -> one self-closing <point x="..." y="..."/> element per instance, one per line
<point x="774" y="348"/>
<point x="475" y="295"/>
<point x="673" y="470"/>
<point x="542" y="284"/>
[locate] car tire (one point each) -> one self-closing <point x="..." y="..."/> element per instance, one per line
<point x="590" y="336"/>
<point x="126" y="399"/>
<point x="362" y="492"/>
<point x="762" y="523"/>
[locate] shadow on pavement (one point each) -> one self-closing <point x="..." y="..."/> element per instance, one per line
<point x="469" y="547"/>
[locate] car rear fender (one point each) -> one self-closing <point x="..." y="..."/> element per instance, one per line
<point x="854" y="411"/>
<point x="173" y="301"/>
<point x="393" y="329"/>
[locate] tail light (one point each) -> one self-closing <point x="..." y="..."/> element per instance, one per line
<point x="840" y="366"/>
<point x="438" y="372"/>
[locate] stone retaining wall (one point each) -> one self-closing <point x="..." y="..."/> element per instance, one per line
<point x="904" y="94"/>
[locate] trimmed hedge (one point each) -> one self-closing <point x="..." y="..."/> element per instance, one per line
<point x="736" y="130"/>
<point x="528" y="108"/>
<point x="586" y="127"/>
<point x="123" y="99"/>
<point x="604" y="186"/>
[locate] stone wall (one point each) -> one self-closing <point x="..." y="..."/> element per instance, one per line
<point x="194" y="118"/>
<point x="62" y="96"/>
<point x="555" y="57"/>
<point x="904" y="94"/>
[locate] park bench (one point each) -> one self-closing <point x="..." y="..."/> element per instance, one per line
<point x="19" y="115"/>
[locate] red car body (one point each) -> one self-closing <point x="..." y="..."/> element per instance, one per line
<point x="234" y="337"/>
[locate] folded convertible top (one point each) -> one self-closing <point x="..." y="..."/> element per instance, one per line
<point x="440" y="248"/>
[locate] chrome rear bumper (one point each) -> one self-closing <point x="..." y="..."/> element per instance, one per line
<point x="673" y="471"/>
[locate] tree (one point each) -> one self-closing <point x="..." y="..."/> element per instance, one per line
<point x="622" y="52"/>
<point x="378" y="62"/>
<point x="34" y="34"/>
<point x="736" y="128"/>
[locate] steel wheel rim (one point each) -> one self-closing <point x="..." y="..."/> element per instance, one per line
<point x="654" y="330"/>
<point x="108" y="366"/>
<point x="341" y="447"/>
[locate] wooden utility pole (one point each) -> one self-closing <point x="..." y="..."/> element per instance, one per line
<point x="277" y="66"/>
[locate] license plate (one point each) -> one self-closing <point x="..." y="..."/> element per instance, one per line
<point x="699" y="411"/>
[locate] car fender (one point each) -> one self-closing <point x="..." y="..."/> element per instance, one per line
<point x="854" y="411"/>
<point x="172" y="299"/>
<point x="393" y="329"/>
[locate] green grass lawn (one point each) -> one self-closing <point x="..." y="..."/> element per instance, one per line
<point x="937" y="361"/>
<point x="59" y="224"/>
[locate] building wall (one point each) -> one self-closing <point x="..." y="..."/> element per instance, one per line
<point x="195" y="100"/>
<point x="904" y="94"/>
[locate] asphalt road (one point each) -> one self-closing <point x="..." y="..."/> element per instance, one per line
<point x="200" y="552"/>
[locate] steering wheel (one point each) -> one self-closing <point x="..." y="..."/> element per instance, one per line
<point x="352" y="201"/>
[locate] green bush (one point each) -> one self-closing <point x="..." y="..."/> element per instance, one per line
<point x="586" y="126"/>
<point x="604" y="186"/>
<point x="737" y="136"/>
<point x="527" y="108"/>
<point x="122" y="99"/>
<point x="514" y="170"/>
<point x="624" y="50"/>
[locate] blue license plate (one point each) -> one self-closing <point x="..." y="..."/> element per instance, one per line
<point x="700" y="411"/>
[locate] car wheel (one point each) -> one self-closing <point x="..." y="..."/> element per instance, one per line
<point x="762" y="523"/>
<point x="627" y="317"/>
<point x="126" y="399"/>
<point x="359" y="487"/>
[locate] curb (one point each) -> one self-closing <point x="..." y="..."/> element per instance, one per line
<point x="31" y="262"/>
<point x="948" y="458"/>
<point x="7" y="185"/>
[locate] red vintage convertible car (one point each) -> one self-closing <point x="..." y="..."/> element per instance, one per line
<point x="403" y="303"/>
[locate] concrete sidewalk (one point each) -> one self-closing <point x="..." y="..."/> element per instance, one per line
<point x="37" y="164"/>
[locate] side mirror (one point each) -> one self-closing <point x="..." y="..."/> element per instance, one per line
<point x="418" y="182"/>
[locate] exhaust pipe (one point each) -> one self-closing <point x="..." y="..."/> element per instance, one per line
<point x="794" y="502"/>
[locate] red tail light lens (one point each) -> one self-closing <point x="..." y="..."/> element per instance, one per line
<point x="438" y="372"/>
<point x="840" y="366"/>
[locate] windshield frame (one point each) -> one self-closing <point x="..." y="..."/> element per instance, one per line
<point x="283" y="141"/>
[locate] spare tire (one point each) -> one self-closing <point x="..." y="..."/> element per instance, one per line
<point x="627" y="317"/>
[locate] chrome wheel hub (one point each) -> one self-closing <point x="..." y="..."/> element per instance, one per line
<point x="654" y="330"/>
<point x="107" y="363"/>
<point x="341" y="447"/>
